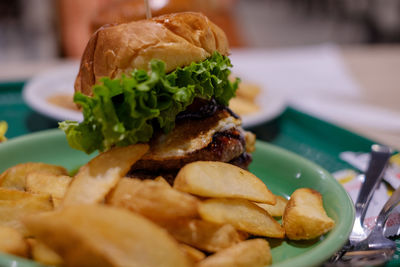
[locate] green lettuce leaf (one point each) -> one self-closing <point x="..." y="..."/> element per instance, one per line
<point x="127" y="110"/>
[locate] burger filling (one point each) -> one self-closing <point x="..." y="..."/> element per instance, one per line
<point x="205" y="131"/>
<point x="183" y="115"/>
<point x="131" y="109"/>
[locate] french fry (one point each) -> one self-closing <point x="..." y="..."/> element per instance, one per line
<point x="203" y="235"/>
<point x="223" y="180"/>
<point x="243" y="106"/>
<point x="99" y="235"/>
<point x="250" y="142"/>
<point x="276" y="210"/>
<point x="253" y="252"/>
<point x="153" y="200"/>
<point x="11" y="211"/>
<point x="43" y="254"/>
<point x="3" y="131"/>
<point x="194" y="255"/>
<point x="15" y="177"/>
<point x="305" y="217"/>
<point x="12" y="242"/>
<point x="244" y="102"/>
<point x="46" y="183"/>
<point x="248" y="91"/>
<point x="243" y="215"/>
<point x="95" y="179"/>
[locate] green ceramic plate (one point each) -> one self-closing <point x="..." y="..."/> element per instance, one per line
<point x="282" y="171"/>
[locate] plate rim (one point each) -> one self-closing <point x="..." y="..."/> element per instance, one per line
<point x="324" y="250"/>
<point x="38" y="102"/>
<point x="312" y="257"/>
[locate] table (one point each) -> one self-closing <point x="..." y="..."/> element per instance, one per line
<point x="377" y="69"/>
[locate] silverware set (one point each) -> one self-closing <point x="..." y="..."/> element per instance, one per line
<point x="372" y="248"/>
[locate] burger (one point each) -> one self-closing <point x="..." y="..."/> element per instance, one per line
<point x="163" y="81"/>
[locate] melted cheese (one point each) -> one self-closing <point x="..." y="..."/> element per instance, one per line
<point x="190" y="136"/>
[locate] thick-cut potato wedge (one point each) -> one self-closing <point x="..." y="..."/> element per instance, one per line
<point x="304" y="216"/>
<point x="15" y="177"/>
<point x="46" y="183"/>
<point x="99" y="235"/>
<point x="254" y="252"/>
<point x="11" y="211"/>
<point x="43" y="254"/>
<point x="153" y="200"/>
<point x="203" y="235"/>
<point x="14" y="194"/>
<point x="162" y="180"/>
<point x="276" y="210"/>
<point x="12" y="242"/>
<point x="219" y="179"/>
<point x="194" y="255"/>
<point x="95" y="179"/>
<point x="57" y="202"/>
<point x="243" y="215"/>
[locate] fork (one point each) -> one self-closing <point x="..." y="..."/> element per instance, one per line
<point x="376" y="249"/>
<point x="377" y="165"/>
<point x="379" y="157"/>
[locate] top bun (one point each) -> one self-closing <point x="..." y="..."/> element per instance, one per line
<point x="124" y="11"/>
<point x="177" y="39"/>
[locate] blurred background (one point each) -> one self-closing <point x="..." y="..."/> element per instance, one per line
<point x="335" y="59"/>
<point x="48" y="29"/>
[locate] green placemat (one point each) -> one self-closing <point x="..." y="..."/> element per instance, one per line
<point x="303" y="134"/>
<point x="312" y="138"/>
<point x="20" y="118"/>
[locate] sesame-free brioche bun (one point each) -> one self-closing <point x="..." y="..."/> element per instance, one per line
<point x="177" y="39"/>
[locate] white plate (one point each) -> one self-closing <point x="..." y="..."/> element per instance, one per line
<point x="61" y="80"/>
<point x="271" y="104"/>
<point x="248" y="65"/>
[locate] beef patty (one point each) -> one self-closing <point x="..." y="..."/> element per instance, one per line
<point x="224" y="146"/>
<point x="214" y="138"/>
<point x="227" y="146"/>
